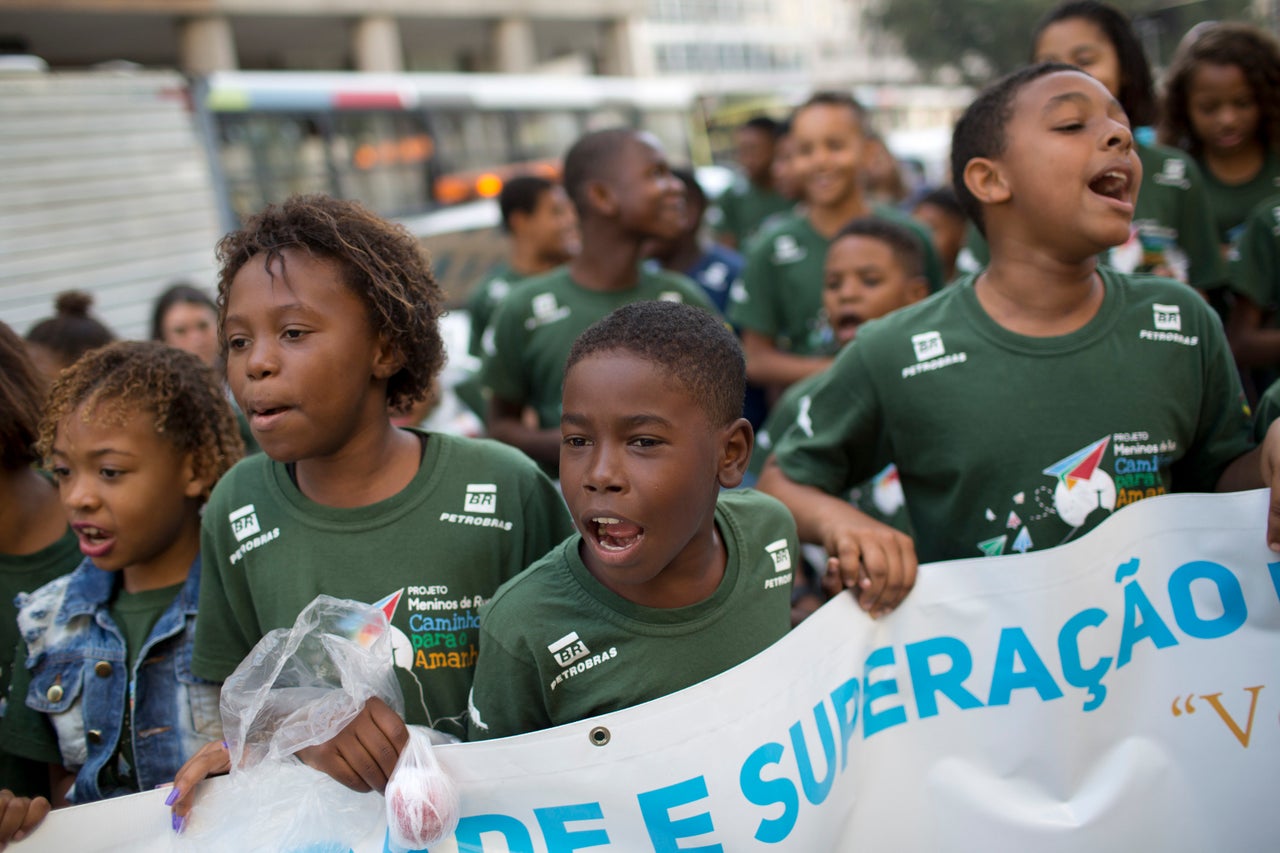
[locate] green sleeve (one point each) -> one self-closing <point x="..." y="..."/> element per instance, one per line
<point x="506" y="694"/>
<point x="502" y="373"/>
<point x="1206" y="268"/>
<point x="730" y="215"/>
<point x="751" y="306"/>
<point x="833" y="443"/>
<point x="1256" y="272"/>
<point x="694" y="295"/>
<point x="1224" y="428"/>
<point x="226" y="627"/>
<point x="23" y="731"/>
<point x="781" y="416"/>
<point x="1267" y="410"/>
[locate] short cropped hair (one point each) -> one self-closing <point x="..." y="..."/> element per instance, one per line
<point x="71" y="332"/>
<point x="764" y="124"/>
<point x="521" y="194"/>
<point x="381" y="262"/>
<point x="21" y="399"/>
<point x="943" y="198"/>
<point x="1137" y="91"/>
<point x="980" y="132"/>
<point x="842" y="100"/>
<point x="180" y="293"/>
<point x="691" y="345"/>
<point x="591" y="159"/>
<point x="1255" y="52"/>
<point x="690" y="181"/>
<point x="181" y="394"/>
<point x="905" y="244"/>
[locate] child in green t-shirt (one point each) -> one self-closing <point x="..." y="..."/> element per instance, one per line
<point x="669" y="580"/>
<point x="135" y="435"/>
<point x="625" y="194"/>
<point x="873" y="267"/>
<point x="751" y="199"/>
<point x="779" y="305"/>
<point x="329" y="318"/>
<point x="1018" y="403"/>
<point x="1255" y="276"/>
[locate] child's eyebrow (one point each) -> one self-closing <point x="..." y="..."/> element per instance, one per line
<point x="299" y="307"/>
<point x="1068" y="97"/>
<point x="642" y="419"/>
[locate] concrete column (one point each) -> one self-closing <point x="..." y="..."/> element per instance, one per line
<point x="514" y="49"/>
<point x="626" y="50"/>
<point x="376" y="46"/>
<point x="207" y="44"/>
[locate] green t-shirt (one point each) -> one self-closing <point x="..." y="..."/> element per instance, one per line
<point x="476" y="513"/>
<point x="1012" y="443"/>
<point x="485" y="299"/>
<point x="26" y="573"/>
<point x="1255" y="272"/>
<point x="1172" y="227"/>
<point x="1267" y="410"/>
<point x="743" y="207"/>
<point x="536" y="325"/>
<point x="558" y="646"/>
<point x="1232" y="203"/>
<point x="880" y="497"/>
<point x="781" y="292"/>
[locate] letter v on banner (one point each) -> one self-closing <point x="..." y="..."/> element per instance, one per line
<point x="1241" y="735"/>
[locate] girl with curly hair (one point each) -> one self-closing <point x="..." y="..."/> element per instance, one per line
<point x="136" y="434"/>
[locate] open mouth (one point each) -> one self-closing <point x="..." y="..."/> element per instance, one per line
<point x="1113" y="183"/>
<point x="845" y="326"/>
<point x="615" y="535"/>
<point x="94" y="541"/>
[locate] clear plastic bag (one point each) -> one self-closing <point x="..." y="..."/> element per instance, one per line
<point x="422" y="804"/>
<point x="299" y="687"/>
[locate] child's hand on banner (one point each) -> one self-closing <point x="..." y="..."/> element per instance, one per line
<point x="364" y="753"/>
<point x="19" y="816"/>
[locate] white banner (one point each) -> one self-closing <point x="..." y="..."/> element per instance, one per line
<point x="1118" y="693"/>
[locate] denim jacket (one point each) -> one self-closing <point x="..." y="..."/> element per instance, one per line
<point x="76" y="656"/>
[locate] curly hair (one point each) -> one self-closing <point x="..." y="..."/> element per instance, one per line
<point x="691" y="345"/>
<point x="1254" y="51"/>
<point x="1137" y="91"/>
<point x="183" y="396"/>
<point x="381" y="262"/>
<point x="21" y="396"/>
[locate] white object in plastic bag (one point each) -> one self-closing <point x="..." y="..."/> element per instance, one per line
<point x="422" y="804"/>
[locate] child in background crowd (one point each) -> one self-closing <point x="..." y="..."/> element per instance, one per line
<point x="136" y="434"/>
<point x="753" y="197"/>
<point x="940" y="211"/>
<point x="669" y="580"/>
<point x="538" y="217"/>
<point x="1255" y="276"/>
<point x="1172" y="233"/>
<point x="36" y="545"/>
<point x="625" y="196"/>
<point x="711" y="266"/>
<point x="778" y="308"/>
<point x="1047" y="372"/>
<point x="873" y="267"/>
<point x="328" y="315"/>
<point x="56" y="342"/>
<point x="1221" y="105"/>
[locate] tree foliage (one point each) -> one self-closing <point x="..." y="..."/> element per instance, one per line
<point x="983" y="38"/>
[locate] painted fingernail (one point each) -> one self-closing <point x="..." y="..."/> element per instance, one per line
<point x="179" y="823"/>
<point x="225" y="746"/>
<point x="173" y="797"/>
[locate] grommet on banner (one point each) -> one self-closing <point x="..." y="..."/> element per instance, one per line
<point x="599" y="736"/>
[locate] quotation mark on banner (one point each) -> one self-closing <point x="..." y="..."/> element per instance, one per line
<point x="1215" y="702"/>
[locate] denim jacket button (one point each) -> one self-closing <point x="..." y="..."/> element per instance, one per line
<point x="54" y="693"/>
<point x="102" y="669"/>
<point x="94" y="735"/>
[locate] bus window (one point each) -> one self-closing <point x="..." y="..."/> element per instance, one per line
<point x="383" y="159"/>
<point x="269" y="157"/>
<point x="546" y="135"/>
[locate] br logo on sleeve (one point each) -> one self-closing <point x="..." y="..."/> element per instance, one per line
<point x="568" y="649"/>
<point x="1167" y="318"/>
<point x="928" y="345"/>
<point x="780" y="554"/>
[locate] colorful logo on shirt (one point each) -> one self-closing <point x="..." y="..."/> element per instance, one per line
<point x="481" y="497"/>
<point x="545" y="311"/>
<point x="787" y="251"/>
<point x="244" y="522"/>
<point x="886" y="490"/>
<point x="1082" y="485"/>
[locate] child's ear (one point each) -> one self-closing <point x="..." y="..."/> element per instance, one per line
<point x="984" y="178"/>
<point x="387" y="361"/>
<point x="917" y="289"/>
<point x="193" y="485"/>
<point x="736" y="441"/>
<point x="601" y="197"/>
